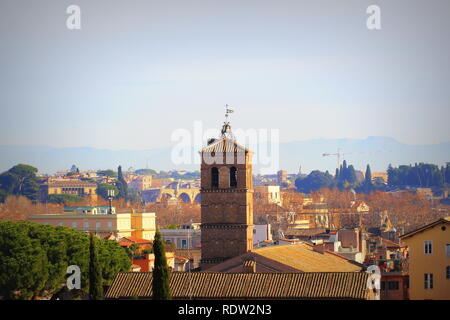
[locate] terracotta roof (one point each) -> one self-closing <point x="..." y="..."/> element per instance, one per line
<point x="128" y="241"/>
<point x="135" y="240"/>
<point x="202" y="285"/>
<point x="224" y="145"/>
<point x="302" y="257"/>
<point x="304" y="232"/>
<point x="289" y="258"/>
<point x="390" y="243"/>
<point x="445" y="220"/>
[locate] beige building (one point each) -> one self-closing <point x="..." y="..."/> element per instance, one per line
<point x="140" y="183"/>
<point x="268" y="194"/>
<point x="88" y="219"/>
<point x="282" y="177"/>
<point x="69" y="186"/>
<point x="429" y="261"/>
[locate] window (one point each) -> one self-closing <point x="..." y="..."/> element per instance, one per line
<point x="86" y="224"/>
<point x="60" y="223"/>
<point x="383" y="285"/>
<point x="447" y="250"/>
<point x="74" y="224"/>
<point x="98" y="224"/>
<point x="233" y="177"/>
<point x="447" y="273"/>
<point x="393" y="285"/>
<point x="427" y="247"/>
<point x="214" y="177"/>
<point x="183" y="244"/>
<point x="428" y="277"/>
<point x="109" y="224"/>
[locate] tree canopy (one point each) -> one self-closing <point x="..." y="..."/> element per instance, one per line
<point x="35" y="258"/>
<point x="145" y="172"/>
<point x="102" y="190"/>
<point x="20" y="180"/>
<point x="314" y="181"/>
<point x="107" y="173"/>
<point x="423" y="175"/>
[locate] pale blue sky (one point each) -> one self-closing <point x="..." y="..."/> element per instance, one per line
<point x="137" y="70"/>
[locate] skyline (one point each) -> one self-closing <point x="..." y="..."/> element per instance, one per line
<point x="134" y="74"/>
<point x="378" y="152"/>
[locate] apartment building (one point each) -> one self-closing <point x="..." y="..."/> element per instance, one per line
<point x="101" y="223"/>
<point x="429" y="260"/>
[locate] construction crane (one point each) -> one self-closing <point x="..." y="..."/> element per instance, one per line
<point x="338" y="154"/>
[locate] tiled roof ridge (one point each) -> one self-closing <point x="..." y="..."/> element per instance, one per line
<point x="218" y="285"/>
<point x="224" y="141"/>
<point x="430" y="225"/>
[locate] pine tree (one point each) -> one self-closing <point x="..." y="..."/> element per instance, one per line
<point x="95" y="273"/>
<point x="161" y="289"/>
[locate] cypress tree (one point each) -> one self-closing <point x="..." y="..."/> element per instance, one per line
<point x="160" y="285"/>
<point x="95" y="273"/>
<point x="122" y="184"/>
<point x="447" y="173"/>
<point x="368" y="185"/>
<point x="351" y="175"/>
<point x="343" y="176"/>
<point x="368" y="176"/>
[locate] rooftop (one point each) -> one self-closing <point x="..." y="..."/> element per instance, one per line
<point x="224" y="145"/>
<point x="70" y="183"/>
<point x="299" y="257"/>
<point x="202" y="285"/>
<point x="445" y="220"/>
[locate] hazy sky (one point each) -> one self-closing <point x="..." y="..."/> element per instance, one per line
<point x="137" y="70"/>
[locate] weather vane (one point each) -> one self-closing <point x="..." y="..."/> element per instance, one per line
<point x="226" y="129"/>
<point x="228" y="110"/>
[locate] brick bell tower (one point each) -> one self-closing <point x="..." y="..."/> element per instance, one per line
<point x="226" y="199"/>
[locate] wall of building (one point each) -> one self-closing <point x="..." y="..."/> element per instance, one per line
<point x="434" y="263"/>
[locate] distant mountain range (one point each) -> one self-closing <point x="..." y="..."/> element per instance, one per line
<point x="379" y="152"/>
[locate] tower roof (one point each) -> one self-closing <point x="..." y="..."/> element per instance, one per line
<point x="225" y="145"/>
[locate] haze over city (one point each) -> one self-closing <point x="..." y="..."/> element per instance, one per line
<point x="236" y="151"/>
<point x="137" y="71"/>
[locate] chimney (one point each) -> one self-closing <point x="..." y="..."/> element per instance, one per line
<point x="320" y="248"/>
<point x="249" y="266"/>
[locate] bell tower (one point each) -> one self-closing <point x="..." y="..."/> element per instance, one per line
<point x="226" y="199"/>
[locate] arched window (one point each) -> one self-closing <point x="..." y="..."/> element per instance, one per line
<point x="447" y="273"/>
<point x="233" y="177"/>
<point x="214" y="177"/>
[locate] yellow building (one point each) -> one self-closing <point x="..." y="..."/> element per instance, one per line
<point x="429" y="260"/>
<point x="69" y="186"/>
<point x="93" y="219"/>
<point x="268" y="194"/>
